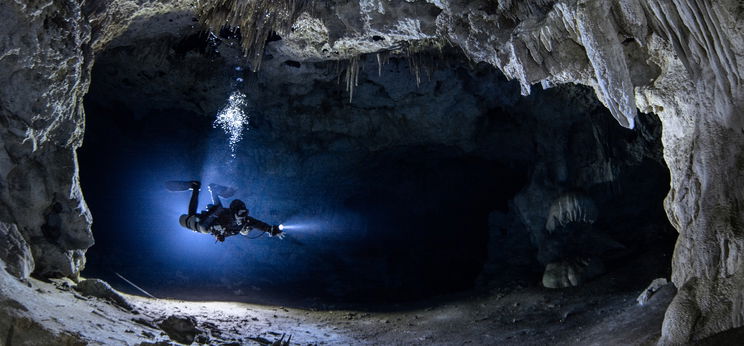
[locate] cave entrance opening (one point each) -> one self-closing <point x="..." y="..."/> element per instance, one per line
<point x="407" y="192"/>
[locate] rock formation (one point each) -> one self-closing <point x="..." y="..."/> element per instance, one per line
<point x="181" y="329"/>
<point x="680" y="59"/>
<point x="15" y="252"/>
<point x="572" y="247"/>
<point x="45" y="67"/>
<point x="100" y="289"/>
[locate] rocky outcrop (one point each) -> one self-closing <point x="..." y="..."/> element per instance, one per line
<point x="14" y="251"/>
<point x="44" y="63"/>
<point x="181" y="329"/>
<point x="699" y="101"/>
<point x="571" y="273"/>
<point x="26" y="331"/>
<point x="573" y="247"/>
<point x="101" y="289"/>
<point x="570" y="208"/>
<point x="655" y="286"/>
<point x="696" y="46"/>
<point x="680" y="59"/>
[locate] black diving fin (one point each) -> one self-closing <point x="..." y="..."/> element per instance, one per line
<point x="222" y="191"/>
<point x="178" y="185"/>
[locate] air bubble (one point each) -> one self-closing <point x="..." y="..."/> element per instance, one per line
<point x="232" y="119"/>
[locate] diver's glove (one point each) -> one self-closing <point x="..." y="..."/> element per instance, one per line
<point x="276" y="232"/>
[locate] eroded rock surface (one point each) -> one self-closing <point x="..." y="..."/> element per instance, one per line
<point x="14" y="251"/>
<point x="181" y="329"/>
<point x="44" y="61"/>
<point x="570" y="273"/>
<point x="40" y="313"/>
<point x="101" y="289"/>
<point x="653" y="288"/>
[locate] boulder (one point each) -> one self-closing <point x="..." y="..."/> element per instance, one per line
<point x="180" y="328"/>
<point x="101" y="289"/>
<point x="571" y="273"/>
<point x="652" y="288"/>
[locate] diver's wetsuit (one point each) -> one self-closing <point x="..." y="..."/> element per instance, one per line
<point x="220" y="221"/>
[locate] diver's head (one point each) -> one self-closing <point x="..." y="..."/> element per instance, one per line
<point x="239" y="210"/>
<point x="237" y="205"/>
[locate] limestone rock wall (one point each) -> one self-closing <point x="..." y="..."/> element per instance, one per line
<point x="699" y="100"/>
<point x="14" y="252"/>
<point x="46" y="52"/>
<point x="44" y="63"/>
<point x="697" y="45"/>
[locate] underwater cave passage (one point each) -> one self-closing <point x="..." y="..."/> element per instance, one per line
<point x="406" y="193"/>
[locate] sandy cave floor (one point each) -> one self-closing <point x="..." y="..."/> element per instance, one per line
<point x="603" y="312"/>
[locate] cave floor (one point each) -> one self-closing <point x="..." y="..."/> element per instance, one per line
<point x="599" y="313"/>
<point x="529" y="316"/>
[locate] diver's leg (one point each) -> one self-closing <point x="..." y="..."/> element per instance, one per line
<point x="215" y="195"/>
<point x="193" y="203"/>
<point x="222" y="191"/>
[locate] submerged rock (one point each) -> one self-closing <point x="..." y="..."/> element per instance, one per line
<point x="181" y="328"/>
<point x="101" y="289"/>
<point x="571" y="273"/>
<point x="652" y="288"/>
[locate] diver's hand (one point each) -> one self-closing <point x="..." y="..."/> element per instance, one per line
<point x="276" y="231"/>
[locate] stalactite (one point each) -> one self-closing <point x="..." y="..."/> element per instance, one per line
<point x="424" y="55"/>
<point x="352" y="76"/>
<point x="256" y="19"/>
<point x="422" y="59"/>
<point x="382" y="59"/>
<point x="570" y="207"/>
<point x="413" y="63"/>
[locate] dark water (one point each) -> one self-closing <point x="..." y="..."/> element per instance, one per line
<point x="389" y="226"/>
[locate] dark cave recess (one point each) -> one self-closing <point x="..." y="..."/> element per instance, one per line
<point x="405" y="193"/>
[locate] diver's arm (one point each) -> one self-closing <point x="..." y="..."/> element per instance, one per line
<point x="262" y="226"/>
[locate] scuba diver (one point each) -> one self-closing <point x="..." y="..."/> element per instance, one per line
<point x="217" y="220"/>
